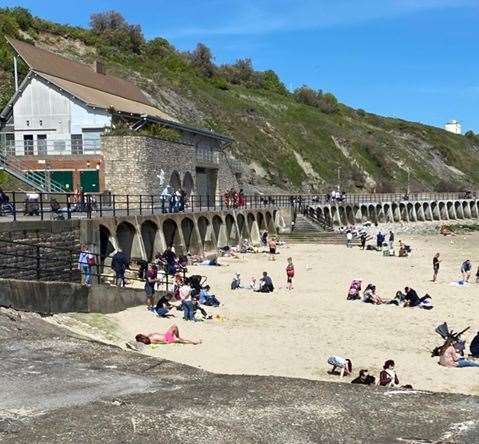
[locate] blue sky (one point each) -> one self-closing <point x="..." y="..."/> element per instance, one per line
<point x="413" y="59"/>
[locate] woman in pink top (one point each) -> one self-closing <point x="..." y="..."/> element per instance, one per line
<point x="172" y="336"/>
<point x="449" y="357"/>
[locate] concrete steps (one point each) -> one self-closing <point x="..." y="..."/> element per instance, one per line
<point x="326" y="237"/>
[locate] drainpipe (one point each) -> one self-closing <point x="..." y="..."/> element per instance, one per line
<point x="15" y="72"/>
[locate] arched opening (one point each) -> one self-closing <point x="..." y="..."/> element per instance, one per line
<point x="148" y="234"/>
<point x="175" y="180"/>
<point x="204" y="229"/>
<point x="241" y="226"/>
<point x="106" y="244"/>
<point x="219" y="231"/>
<point x="261" y="221"/>
<point x="231" y="233"/>
<point x="269" y="223"/>
<point x="188" y="183"/>
<point x="189" y="235"/>
<point x="171" y="235"/>
<point x="125" y="234"/>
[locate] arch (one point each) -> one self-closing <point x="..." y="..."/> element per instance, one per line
<point x="218" y="229"/>
<point x="261" y="221"/>
<point x="188" y="184"/>
<point x="171" y="235"/>
<point x="148" y="234"/>
<point x="125" y="234"/>
<point x="458" y="210"/>
<point x="473" y="209"/>
<point x="203" y="228"/>
<point x="372" y="213"/>
<point x="106" y="243"/>
<point x="175" y="180"/>
<point x="242" y="228"/>
<point x="189" y="235"/>
<point x="380" y="213"/>
<point x="231" y="231"/>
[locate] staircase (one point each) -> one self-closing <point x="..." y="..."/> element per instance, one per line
<point x="308" y="230"/>
<point x="33" y="179"/>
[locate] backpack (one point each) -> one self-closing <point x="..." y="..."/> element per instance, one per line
<point x="91" y="260"/>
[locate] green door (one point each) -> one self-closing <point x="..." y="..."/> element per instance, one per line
<point x="89" y="181"/>
<point x="63" y="178"/>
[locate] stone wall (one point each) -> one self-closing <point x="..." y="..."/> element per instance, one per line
<point x="133" y="164"/>
<point x="50" y="246"/>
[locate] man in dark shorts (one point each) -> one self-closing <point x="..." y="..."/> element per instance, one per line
<point x="435" y="266"/>
<point x="411" y="298"/>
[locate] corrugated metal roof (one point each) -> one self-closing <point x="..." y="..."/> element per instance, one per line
<point x="46" y="62"/>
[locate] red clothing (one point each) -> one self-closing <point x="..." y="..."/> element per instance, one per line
<point x="385" y="379"/>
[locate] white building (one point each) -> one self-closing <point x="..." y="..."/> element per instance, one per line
<point x="453" y="126"/>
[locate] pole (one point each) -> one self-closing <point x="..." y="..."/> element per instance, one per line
<point x="15" y="72"/>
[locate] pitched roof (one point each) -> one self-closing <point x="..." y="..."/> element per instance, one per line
<point x="46" y="62"/>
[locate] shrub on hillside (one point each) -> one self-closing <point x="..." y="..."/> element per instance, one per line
<point x="271" y="82"/>
<point x="202" y="59"/>
<point x="8" y="25"/>
<point x="327" y="103"/>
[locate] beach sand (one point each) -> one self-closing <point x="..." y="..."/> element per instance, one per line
<point x="292" y="333"/>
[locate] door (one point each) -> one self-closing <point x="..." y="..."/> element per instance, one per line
<point x="89" y="181"/>
<point x="63" y="178"/>
<point x="42" y="144"/>
<point x="28" y="145"/>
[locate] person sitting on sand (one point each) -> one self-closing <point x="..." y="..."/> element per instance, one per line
<point x="388" y="376"/>
<point x="206" y="298"/>
<point x="474" y="347"/>
<point x="254" y="285"/>
<point x="370" y="296"/>
<point x="449" y="357"/>
<point x="402" y="250"/>
<point x="466" y="268"/>
<point x="172" y="336"/>
<point x="413" y="300"/>
<point x="338" y="362"/>
<point x="399" y="299"/>
<point x="354" y="290"/>
<point x="266" y="284"/>
<point x="163" y="306"/>
<point x="364" y="378"/>
<point x="236" y="282"/>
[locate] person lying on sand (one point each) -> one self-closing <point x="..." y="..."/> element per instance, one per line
<point x="172" y="336"/>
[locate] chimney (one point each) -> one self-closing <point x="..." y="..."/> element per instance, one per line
<point x="99" y="67"/>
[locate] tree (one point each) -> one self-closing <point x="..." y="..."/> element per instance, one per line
<point x="202" y="59"/>
<point x="470" y="134"/>
<point x="271" y="81"/>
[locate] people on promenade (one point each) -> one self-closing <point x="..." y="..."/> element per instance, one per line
<point x="119" y="264"/>
<point x="86" y="261"/>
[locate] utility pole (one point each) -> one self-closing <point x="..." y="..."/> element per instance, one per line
<point x="15" y="72"/>
<point x="339" y="177"/>
<point x="408" y="179"/>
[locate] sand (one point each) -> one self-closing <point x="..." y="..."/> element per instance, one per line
<point x="292" y="333"/>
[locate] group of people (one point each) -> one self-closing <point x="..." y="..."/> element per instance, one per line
<point x="387" y="376"/>
<point x="336" y="196"/>
<point x="408" y="298"/>
<point x="234" y="199"/>
<point x="261" y="285"/>
<point x="173" y="201"/>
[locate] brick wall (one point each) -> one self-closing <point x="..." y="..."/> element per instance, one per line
<point x="45" y="240"/>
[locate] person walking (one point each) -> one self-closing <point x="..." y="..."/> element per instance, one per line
<point x="119" y="264"/>
<point x="290" y="274"/>
<point x="85" y="262"/>
<point x="349" y="239"/>
<point x="466" y="268"/>
<point x="435" y="266"/>
<point x="391" y="239"/>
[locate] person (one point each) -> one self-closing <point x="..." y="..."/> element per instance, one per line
<point x="142" y="268"/>
<point x="290" y="274"/>
<point x="206" y="298"/>
<point x="151" y="278"/>
<point x="370" y="296"/>
<point x="391" y="239"/>
<point x="411" y="297"/>
<point x="388" y="376"/>
<point x="363" y="240"/>
<point x="272" y="248"/>
<point x="435" y="266"/>
<point x="345" y="365"/>
<point x="266" y="284"/>
<point x="466" y="270"/>
<point x="349" y="239"/>
<point x="254" y="285"/>
<point x="399" y="299"/>
<point x="379" y="240"/>
<point x="364" y="378"/>
<point x="264" y="238"/>
<point x="85" y="262"/>
<point x="236" y="282"/>
<point x="477" y="276"/>
<point x="169" y="258"/>
<point x="5" y="205"/>
<point x="449" y="357"/>
<point x="119" y="264"/>
<point x="163" y="306"/>
<point x="354" y="290"/>
<point x="474" y="347"/>
<point x="172" y="336"/>
<point x="402" y="250"/>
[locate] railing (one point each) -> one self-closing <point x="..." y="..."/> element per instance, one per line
<point x="33" y="261"/>
<point x="50" y="147"/>
<point x="68" y="205"/>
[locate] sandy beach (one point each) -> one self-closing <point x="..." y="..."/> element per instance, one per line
<point x="292" y="333"/>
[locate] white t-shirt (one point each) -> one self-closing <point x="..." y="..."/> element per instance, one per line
<point x="349" y="235"/>
<point x="185" y="292"/>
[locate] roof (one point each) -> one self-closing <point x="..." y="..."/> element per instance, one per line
<point x="46" y="62"/>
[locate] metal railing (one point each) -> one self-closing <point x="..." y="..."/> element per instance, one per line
<point x="69" y="205"/>
<point x="50" y="147"/>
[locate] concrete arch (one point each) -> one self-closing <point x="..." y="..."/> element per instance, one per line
<point x="458" y="210"/>
<point x="443" y="213"/>
<point x="253" y="227"/>
<point x="349" y="215"/>
<point x="261" y="221"/>
<point x="388" y="217"/>
<point x="206" y="233"/>
<point x="436" y="215"/>
<point x="127" y="239"/>
<point x="242" y="228"/>
<point x="466" y="210"/>
<point x="172" y="236"/>
<point x="473" y="208"/>
<point x="403" y="216"/>
<point x="364" y="213"/>
<point x="419" y="213"/>
<point x="149" y="232"/>
<point x="270" y="223"/>
<point x="188" y="183"/>
<point x="107" y="243"/>
<point x="175" y="180"/>
<point x="219" y="231"/>
<point x="372" y="214"/>
<point x="426" y="209"/>
<point x="231" y="230"/>
<point x="342" y="215"/>
<point x="380" y="213"/>
<point x="190" y="236"/>
<point x="450" y="210"/>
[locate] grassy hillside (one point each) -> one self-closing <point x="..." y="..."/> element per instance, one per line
<point x="287" y="140"/>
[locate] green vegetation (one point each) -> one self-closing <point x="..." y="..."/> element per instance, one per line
<point x="286" y="133"/>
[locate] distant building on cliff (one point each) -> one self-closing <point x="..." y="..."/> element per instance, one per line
<point x="453" y="126"/>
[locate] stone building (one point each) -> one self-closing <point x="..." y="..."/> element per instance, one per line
<point x="54" y="134"/>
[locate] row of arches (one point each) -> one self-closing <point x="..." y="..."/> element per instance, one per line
<point x="398" y="212"/>
<point x="143" y="239"/>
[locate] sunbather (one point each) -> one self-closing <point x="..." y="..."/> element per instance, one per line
<point x="172" y="336"/>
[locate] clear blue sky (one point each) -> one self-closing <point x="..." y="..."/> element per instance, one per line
<point x="413" y="59"/>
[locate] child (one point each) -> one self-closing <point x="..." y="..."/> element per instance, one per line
<point x="272" y="249"/>
<point x="290" y="273"/>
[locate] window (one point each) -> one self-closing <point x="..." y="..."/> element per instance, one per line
<point x="28" y="145"/>
<point x="10" y="144"/>
<point x="42" y="145"/>
<point x="77" y="144"/>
